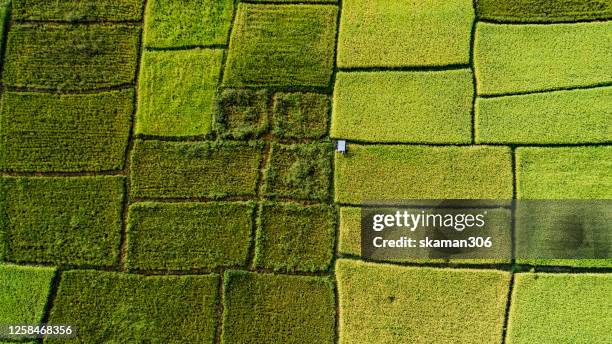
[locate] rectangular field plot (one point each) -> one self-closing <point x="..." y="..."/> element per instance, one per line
<point x="389" y="304"/>
<point x="564" y="172"/>
<point x="23" y="294"/>
<point x="71" y="57"/>
<point x="498" y="222"/>
<point x="281" y="45"/>
<point x="300" y="115"/>
<point x="544" y="11"/>
<point x="43" y="132"/>
<point x="181" y="236"/>
<point x="423" y="107"/>
<point x="299" y="171"/>
<point x="171" y="23"/>
<point x="394" y="172"/>
<point x="177" y="92"/>
<point x="267" y="308"/>
<point x="62" y="220"/>
<point x="242" y="113"/>
<point x="349" y="238"/>
<point x="572" y="263"/>
<point x="565" y="232"/>
<point x="77" y="10"/>
<point x="560" y="308"/>
<point x="382" y="33"/>
<point x="125" y="308"/>
<point x="294" y="237"/>
<point x="195" y="169"/>
<point x="578" y="116"/>
<point x="528" y="58"/>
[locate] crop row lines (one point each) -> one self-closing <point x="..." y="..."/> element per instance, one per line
<point x="188" y="47"/>
<point x="332" y="185"/>
<point x="292" y="2"/>
<point x="512" y="246"/>
<point x="473" y="70"/>
<point x="510" y="145"/>
<point x="61" y="23"/>
<point x="127" y="162"/>
<point x="551" y="90"/>
<point x="440" y="68"/>
<point x="515" y="267"/>
<point x="253" y="230"/>
<point x="59" y="90"/>
<point x="568" y="22"/>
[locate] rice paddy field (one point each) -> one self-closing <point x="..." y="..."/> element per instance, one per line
<point x="169" y="171"/>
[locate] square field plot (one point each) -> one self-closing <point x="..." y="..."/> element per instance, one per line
<point x="171" y="23"/>
<point x="23" y="294"/>
<point x="177" y="92"/>
<point x="277" y="309"/>
<point x="71" y="57"/>
<point x="62" y="220"/>
<point x="498" y="223"/>
<point x="77" y="10"/>
<point x="282" y="45"/>
<point x="299" y="171"/>
<point x="560" y="308"/>
<point x="42" y="132"/>
<point x="182" y="236"/>
<point x="563" y="233"/>
<point x="564" y="172"/>
<point x="388" y="304"/>
<point x="423" y="107"/>
<point x="294" y="237"/>
<point x="577" y="116"/>
<point x="242" y="113"/>
<point x="394" y="172"/>
<point x="529" y="58"/>
<point x="124" y="308"/>
<point x="544" y="11"/>
<point x="381" y="33"/>
<point x="195" y="169"/>
<point x="301" y="115"/>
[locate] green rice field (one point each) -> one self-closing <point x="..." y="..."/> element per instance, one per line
<point x="171" y="172"/>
